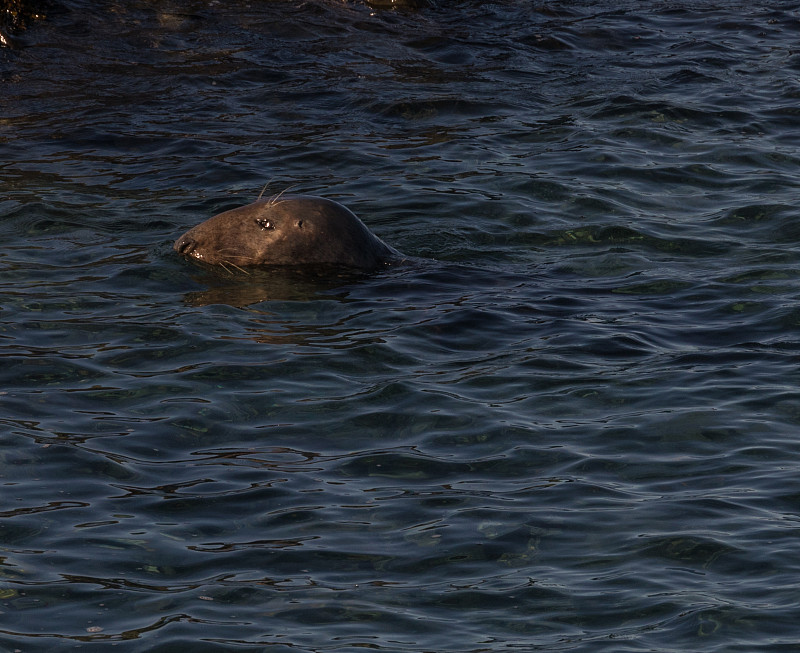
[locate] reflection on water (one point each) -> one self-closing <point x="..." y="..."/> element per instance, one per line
<point x="247" y="287"/>
<point x="566" y="422"/>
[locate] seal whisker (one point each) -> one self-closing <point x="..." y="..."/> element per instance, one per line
<point x="261" y="194"/>
<point x="229" y="252"/>
<point x="242" y="270"/>
<point x="274" y="199"/>
<point x="225" y="263"/>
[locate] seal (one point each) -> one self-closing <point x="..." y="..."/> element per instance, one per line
<point x="298" y="230"/>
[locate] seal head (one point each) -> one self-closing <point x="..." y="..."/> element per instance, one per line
<point x="289" y="230"/>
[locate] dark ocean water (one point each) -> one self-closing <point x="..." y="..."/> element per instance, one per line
<point x="569" y="423"/>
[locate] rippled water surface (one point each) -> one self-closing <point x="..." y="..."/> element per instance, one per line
<point x="568" y="422"/>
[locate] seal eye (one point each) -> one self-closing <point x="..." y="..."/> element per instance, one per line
<point x="299" y="224"/>
<point x="265" y="224"/>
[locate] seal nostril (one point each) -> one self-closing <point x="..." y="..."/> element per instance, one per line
<point x="185" y="245"/>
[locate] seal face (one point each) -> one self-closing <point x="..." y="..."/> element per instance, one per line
<point x="289" y="230"/>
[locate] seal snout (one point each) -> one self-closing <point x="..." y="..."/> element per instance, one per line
<point x="185" y="245"/>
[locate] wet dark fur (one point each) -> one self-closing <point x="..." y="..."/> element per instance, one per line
<point x="286" y="230"/>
